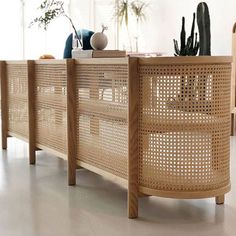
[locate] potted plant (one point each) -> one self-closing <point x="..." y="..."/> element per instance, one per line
<point x="52" y="9"/>
<point x="191" y="47"/>
<point x="124" y="9"/>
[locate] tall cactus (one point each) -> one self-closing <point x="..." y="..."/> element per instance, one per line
<point x="189" y="48"/>
<point x="203" y="21"/>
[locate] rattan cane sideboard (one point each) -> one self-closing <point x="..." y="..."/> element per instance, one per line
<point x="161" y="126"/>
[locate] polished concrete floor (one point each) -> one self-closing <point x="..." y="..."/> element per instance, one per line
<point x="36" y="201"/>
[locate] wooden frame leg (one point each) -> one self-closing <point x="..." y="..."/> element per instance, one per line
<point x="132" y="204"/>
<point x="233" y="118"/>
<point x="71" y="174"/>
<point x="4" y="140"/>
<point x="133" y="155"/>
<point x="220" y="199"/>
<point x="32" y="157"/>
<point x="4" y="104"/>
<point x="71" y="122"/>
<point x="31" y="111"/>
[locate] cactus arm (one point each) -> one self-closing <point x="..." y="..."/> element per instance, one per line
<point x="195" y="43"/>
<point x="197" y="48"/>
<point x="177" y="52"/>
<point x="192" y="31"/>
<point x="188" y="49"/>
<point x="203" y="20"/>
<point x="183" y="37"/>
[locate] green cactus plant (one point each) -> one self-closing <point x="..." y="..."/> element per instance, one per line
<point x="189" y="48"/>
<point x="203" y="21"/>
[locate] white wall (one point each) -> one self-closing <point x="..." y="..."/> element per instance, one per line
<point x="10" y="28"/>
<point x="37" y="40"/>
<point x="91" y="14"/>
<point x="164" y="24"/>
<point x="157" y="33"/>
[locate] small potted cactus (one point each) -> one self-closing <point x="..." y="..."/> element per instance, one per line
<point x="192" y="46"/>
<point x="189" y="48"/>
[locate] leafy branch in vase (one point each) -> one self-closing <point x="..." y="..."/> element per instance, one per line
<point x="51" y="10"/>
<point x="136" y="8"/>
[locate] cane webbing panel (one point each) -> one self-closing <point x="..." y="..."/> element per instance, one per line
<point x="51" y="117"/>
<point x="102" y="116"/>
<point x="17" y="86"/>
<point x="184" y="127"/>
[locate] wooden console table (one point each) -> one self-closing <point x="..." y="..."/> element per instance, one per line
<point x="160" y="126"/>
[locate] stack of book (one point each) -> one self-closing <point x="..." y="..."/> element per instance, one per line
<point x="76" y="54"/>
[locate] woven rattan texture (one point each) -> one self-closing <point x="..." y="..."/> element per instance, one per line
<point x="17" y="97"/>
<point x="51" y="117"/>
<point x="102" y="116"/>
<point x="184" y="127"/>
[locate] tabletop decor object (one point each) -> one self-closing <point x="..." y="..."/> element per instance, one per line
<point x="99" y="40"/>
<point x="189" y="48"/>
<point x="126" y="9"/>
<point x="46" y="56"/>
<point x="50" y="10"/>
<point x="138" y="10"/>
<point x="98" y="54"/>
<point x="192" y="46"/>
<point x="203" y="21"/>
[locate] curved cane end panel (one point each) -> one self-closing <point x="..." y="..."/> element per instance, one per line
<point x="184" y="147"/>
